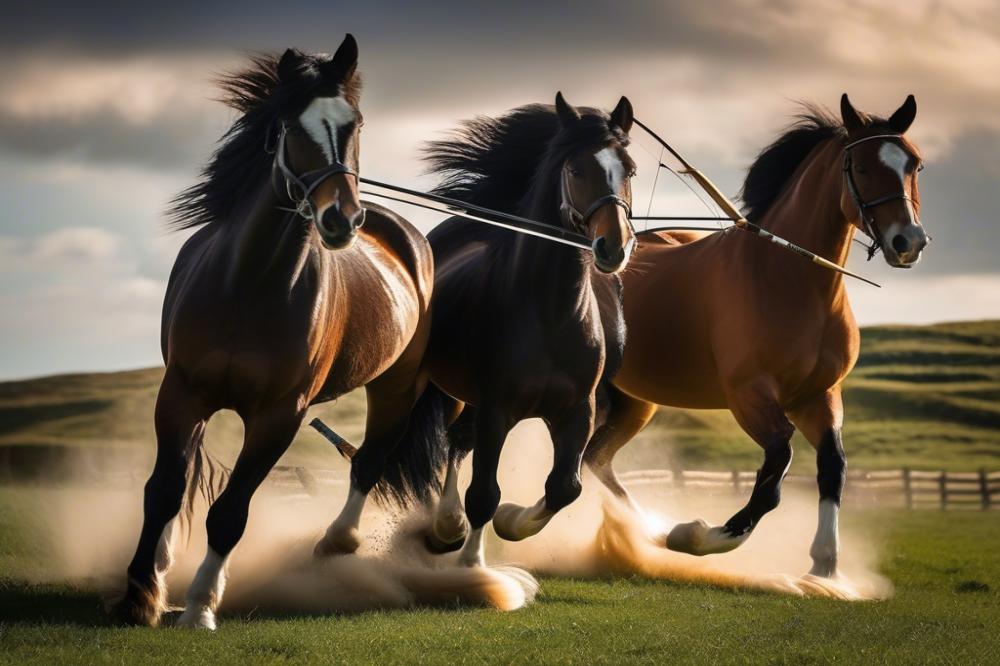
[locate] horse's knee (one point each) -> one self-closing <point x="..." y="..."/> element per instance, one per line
<point x="561" y="490"/>
<point x="481" y="502"/>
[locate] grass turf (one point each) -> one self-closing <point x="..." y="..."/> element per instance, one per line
<point x="944" y="566"/>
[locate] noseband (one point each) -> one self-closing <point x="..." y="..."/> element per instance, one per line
<point x="306" y="182"/>
<point x="867" y="218"/>
<point x="577" y="220"/>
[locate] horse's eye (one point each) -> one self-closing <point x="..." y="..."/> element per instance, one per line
<point x="920" y="167"/>
<point x="576" y="173"/>
<point x="860" y="169"/>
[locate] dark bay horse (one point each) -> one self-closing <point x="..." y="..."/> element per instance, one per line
<point x="280" y="300"/>
<point x="522" y="327"/>
<point x="758" y="330"/>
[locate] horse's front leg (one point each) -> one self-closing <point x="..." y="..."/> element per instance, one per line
<point x="821" y="422"/>
<point x="756" y="408"/>
<point x="391" y="398"/>
<point x="570" y="434"/>
<point x="269" y="432"/>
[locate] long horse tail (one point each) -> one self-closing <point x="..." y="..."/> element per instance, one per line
<point x="414" y="468"/>
<point x="206" y="477"/>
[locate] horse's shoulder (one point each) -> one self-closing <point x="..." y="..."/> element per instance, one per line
<point x="402" y="238"/>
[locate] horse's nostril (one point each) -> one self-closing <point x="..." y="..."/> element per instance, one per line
<point x="900" y="244"/>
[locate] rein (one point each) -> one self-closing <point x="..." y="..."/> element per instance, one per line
<point x="734" y="215"/>
<point x="457" y="208"/>
<point x="309" y="181"/>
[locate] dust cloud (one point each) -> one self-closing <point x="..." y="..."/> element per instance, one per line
<point x="92" y="532"/>
<point x="598" y="536"/>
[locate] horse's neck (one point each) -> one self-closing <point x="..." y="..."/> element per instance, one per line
<point x="269" y="245"/>
<point x="809" y="214"/>
<point x="555" y="276"/>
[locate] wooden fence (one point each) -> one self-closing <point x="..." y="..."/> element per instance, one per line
<point x="904" y="488"/>
<point x="912" y="489"/>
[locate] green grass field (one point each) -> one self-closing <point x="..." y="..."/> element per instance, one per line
<point x="944" y="566"/>
<point x="925" y="397"/>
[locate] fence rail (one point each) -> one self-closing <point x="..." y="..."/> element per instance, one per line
<point x="912" y="489"/>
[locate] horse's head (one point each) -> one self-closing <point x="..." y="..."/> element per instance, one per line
<point x="596" y="185"/>
<point x="881" y="196"/>
<point x="317" y="151"/>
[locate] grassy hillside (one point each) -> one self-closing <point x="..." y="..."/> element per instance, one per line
<point x="924" y="396"/>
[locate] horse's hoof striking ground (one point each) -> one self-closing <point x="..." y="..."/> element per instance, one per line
<point x="699" y="538"/>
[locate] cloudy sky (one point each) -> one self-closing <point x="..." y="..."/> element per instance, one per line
<point x="106" y="112"/>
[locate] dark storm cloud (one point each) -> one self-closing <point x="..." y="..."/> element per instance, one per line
<point x="164" y="141"/>
<point x="958" y="206"/>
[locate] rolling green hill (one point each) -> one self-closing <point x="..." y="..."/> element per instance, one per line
<point x="923" y="396"/>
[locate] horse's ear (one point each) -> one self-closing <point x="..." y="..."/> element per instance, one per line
<point x="904" y="115"/>
<point x="567" y="112"/>
<point x="345" y="60"/>
<point x="853" y="121"/>
<point x="622" y="115"/>
<point x="288" y="65"/>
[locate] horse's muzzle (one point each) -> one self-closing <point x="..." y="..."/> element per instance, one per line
<point x="610" y="260"/>
<point x="338" y="231"/>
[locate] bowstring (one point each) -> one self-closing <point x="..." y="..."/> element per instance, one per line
<point x="661" y="165"/>
<point x="652" y="192"/>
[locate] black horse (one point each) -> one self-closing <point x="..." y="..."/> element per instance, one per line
<point x="521" y="327"/>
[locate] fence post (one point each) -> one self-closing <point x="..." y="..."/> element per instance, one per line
<point x="943" y="483"/>
<point x="908" y="487"/>
<point x="307" y="480"/>
<point x="984" y="488"/>
<point x="678" y="477"/>
<point x="736" y="481"/>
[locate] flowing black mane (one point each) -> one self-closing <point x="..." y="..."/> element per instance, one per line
<point x="511" y="163"/>
<point x="238" y="167"/>
<point x="773" y="169"/>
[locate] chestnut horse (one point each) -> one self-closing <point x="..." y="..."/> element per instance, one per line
<point x="279" y="301"/>
<point x="757" y="330"/>
<point x="522" y="327"/>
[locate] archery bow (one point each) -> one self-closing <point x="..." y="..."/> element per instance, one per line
<point x="738" y="219"/>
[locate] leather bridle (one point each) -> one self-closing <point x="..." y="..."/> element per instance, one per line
<point x="304" y="206"/>
<point x="864" y="207"/>
<point x="578" y="221"/>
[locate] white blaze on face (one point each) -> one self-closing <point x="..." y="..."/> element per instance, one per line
<point x="614" y="170"/>
<point x="895" y="158"/>
<point x="323" y="119"/>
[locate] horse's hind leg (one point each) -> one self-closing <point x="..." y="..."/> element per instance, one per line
<point x="450" y="527"/>
<point x="821" y="421"/>
<point x="758" y="412"/>
<point x="180" y="425"/>
<point x="268" y="435"/>
<point x="483" y="494"/>
<point x="391" y="398"/>
<point x="626" y="418"/>
<point x="570" y="435"/>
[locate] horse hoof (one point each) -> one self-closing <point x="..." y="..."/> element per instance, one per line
<point x="341" y="542"/>
<point x="513" y="522"/>
<point x="438" y="546"/>
<point x="138" y="608"/>
<point x="197" y="618"/>
<point x="698" y="538"/>
<point x="824" y="568"/>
